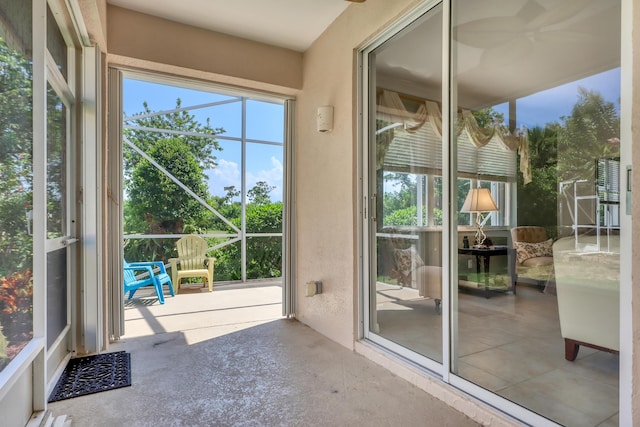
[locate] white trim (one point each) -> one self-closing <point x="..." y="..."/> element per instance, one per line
<point x="289" y="212"/>
<point x="201" y="85"/>
<point x="91" y="210"/>
<point x="39" y="397"/>
<point x="627" y="379"/>
<point x="449" y="216"/>
<point x="113" y="209"/>
<point x="19" y="365"/>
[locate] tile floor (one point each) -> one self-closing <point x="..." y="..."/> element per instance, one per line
<point x="510" y="344"/>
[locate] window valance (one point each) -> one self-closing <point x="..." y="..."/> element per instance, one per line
<point x="487" y="151"/>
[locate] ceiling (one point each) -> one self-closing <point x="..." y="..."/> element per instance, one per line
<point x="292" y="24"/>
<point x="511" y="49"/>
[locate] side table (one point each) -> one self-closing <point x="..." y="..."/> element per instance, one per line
<point x="485" y="253"/>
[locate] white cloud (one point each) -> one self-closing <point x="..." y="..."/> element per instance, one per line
<point x="272" y="177"/>
<point x="228" y="173"/>
<point x="224" y="175"/>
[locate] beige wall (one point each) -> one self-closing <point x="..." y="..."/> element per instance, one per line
<point x="326" y="171"/>
<point x="94" y="14"/>
<point x="147" y="38"/>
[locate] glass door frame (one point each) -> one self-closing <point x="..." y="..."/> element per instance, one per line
<point x="366" y="209"/>
<point x="68" y="239"/>
<point x="367" y="198"/>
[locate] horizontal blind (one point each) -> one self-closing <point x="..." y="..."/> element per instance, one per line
<point x="420" y="152"/>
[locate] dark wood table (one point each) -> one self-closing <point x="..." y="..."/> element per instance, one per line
<point x="485" y="253"/>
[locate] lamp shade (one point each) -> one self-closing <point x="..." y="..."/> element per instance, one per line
<point x="479" y="200"/>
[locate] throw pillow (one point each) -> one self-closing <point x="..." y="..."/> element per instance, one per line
<point x="525" y="250"/>
<point x="407" y="260"/>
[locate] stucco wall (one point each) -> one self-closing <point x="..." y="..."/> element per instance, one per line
<point x="147" y="38"/>
<point x="94" y="15"/>
<point x="326" y="170"/>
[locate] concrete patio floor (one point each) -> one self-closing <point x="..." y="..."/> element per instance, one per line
<point x="228" y="358"/>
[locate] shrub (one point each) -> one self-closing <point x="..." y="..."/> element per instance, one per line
<point x="16" y="305"/>
<point x="4" y="359"/>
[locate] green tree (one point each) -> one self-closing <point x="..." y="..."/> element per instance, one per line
<point x="155" y="203"/>
<point x="537" y="201"/>
<point x="259" y="195"/>
<point x="588" y="134"/>
<point x="16" y="174"/>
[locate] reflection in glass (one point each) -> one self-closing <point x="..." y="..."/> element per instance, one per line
<point x="16" y="177"/>
<point x="56" y="165"/>
<point x="529" y="80"/>
<point x="406" y="269"/>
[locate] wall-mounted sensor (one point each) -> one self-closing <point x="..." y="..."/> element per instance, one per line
<point x="325" y="118"/>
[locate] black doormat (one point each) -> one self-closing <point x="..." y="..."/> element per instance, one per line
<point x="93" y="374"/>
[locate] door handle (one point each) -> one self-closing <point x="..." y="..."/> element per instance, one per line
<point x="69" y="241"/>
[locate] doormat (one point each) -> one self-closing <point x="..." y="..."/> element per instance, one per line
<point x="93" y="374"/>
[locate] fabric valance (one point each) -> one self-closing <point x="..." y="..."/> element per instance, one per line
<point x="471" y="138"/>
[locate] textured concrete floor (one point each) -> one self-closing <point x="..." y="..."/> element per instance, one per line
<point x="246" y="366"/>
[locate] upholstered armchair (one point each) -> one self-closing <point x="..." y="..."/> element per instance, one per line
<point x="412" y="272"/>
<point x="534" y="255"/>
<point x="588" y="287"/>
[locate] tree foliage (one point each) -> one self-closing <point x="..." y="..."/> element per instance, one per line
<point x="156" y="204"/>
<point x="16" y="174"/>
<point x="591" y="132"/>
<point x="537" y="201"/>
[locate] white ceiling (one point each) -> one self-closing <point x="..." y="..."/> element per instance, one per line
<point x="292" y="24"/>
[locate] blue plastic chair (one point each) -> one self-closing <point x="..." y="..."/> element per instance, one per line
<point x="157" y="280"/>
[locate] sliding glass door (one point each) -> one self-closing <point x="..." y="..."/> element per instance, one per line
<point x="538" y="87"/>
<point x="405" y="286"/>
<point x="492" y="191"/>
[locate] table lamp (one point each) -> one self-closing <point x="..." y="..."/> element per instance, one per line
<point x="479" y="200"/>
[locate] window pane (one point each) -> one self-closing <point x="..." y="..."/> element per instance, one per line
<point x="265" y="121"/>
<point x="56" y="165"/>
<point x="56" y="45"/>
<point x="16" y="177"/>
<point x="406" y="271"/>
<point x="537" y="96"/>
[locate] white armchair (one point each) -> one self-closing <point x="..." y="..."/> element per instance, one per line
<point x="588" y="289"/>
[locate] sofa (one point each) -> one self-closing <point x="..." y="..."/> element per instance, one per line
<point x="587" y="279"/>
<point x="534" y="257"/>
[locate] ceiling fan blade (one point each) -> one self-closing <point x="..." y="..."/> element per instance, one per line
<point x="561" y="11"/>
<point x="489" y="32"/>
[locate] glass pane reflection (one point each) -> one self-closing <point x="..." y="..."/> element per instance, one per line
<point x="548" y="87"/>
<point x="406" y="284"/>
<point x="56" y="164"/>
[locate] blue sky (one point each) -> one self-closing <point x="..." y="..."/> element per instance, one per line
<point x="551" y="105"/>
<point x="265" y="122"/>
